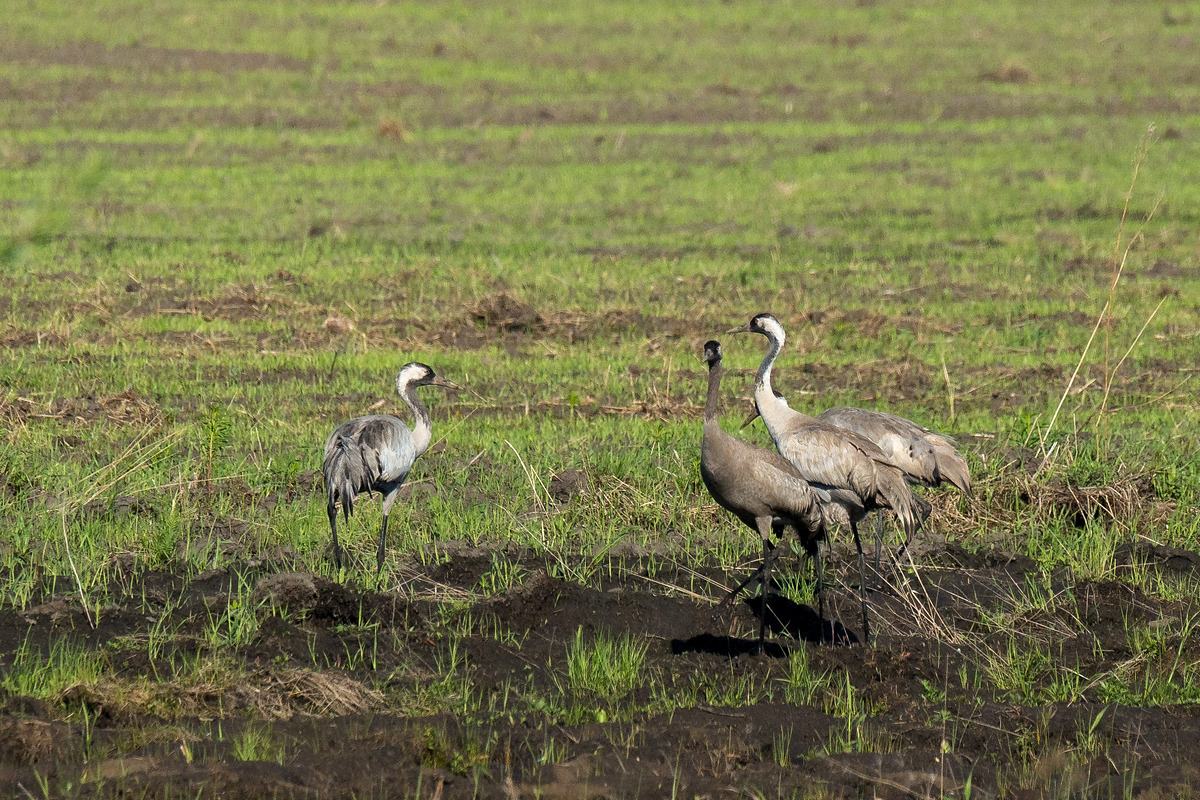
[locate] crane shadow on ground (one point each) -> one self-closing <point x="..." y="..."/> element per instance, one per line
<point x="728" y="646"/>
<point x="785" y="618"/>
<point x="788" y="618"/>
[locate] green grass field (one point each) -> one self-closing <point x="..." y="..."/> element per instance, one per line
<point x="224" y="228"/>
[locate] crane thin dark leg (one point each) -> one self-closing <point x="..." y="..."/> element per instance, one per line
<point x="878" y="546"/>
<point x="337" y="550"/>
<point x="741" y="587"/>
<point x="819" y="576"/>
<point x="382" y="539"/>
<point x="764" y="593"/>
<point x="862" y="582"/>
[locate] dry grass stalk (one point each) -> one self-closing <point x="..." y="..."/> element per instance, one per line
<point x="531" y="476"/>
<point x="1125" y="501"/>
<point x="274" y="694"/>
<point x="922" y="609"/>
<point x="124" y="408"/>
<point x="322" y="693"/>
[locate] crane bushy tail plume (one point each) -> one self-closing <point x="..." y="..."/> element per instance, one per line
<point x="345" y="470"/>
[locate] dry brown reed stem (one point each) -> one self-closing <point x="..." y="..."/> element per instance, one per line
<point x="949" y="386"/>
<point x="1112" y="289"/>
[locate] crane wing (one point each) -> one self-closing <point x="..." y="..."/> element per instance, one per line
<point x="835" y="458"/>
<point x="926" y="457"/>
<point x="386" y="444"/>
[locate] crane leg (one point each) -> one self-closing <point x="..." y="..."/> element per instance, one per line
<point x="862" y="582"/>
<point x="765" y="585"/>
<point x="382" y="539"/>
<point x="925" y="509"/>
<point x="337" y="551"/>
<point x="389" y="498"/>
<point x="878" y="546"/>
<point x="819" y="577"/>
<point x="733" y="593"/>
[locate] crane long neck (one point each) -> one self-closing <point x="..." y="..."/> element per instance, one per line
<point x="772" y="409"/>
<point x="422" y="425"/>
<point x="715" y="373"/>
<point x="763" y="378"/>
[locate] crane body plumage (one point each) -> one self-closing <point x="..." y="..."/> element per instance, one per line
<point x="927" y="458"/>
<point x="759" y="487"/>
<point x="375" y="454"/>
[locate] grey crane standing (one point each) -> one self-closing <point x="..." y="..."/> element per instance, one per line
<point x="854" y="470"/>
<point x="760" y="488"/>
<point x="375" y="453"/>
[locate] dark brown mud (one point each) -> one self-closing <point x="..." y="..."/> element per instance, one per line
<point x="928" y="719"/>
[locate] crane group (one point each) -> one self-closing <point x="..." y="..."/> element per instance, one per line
<point x="829" y="471"/>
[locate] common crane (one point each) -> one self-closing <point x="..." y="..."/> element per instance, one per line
<point x="375" y="453"/>
<point x="760" y="488"/>
<point x="854" y="470"/>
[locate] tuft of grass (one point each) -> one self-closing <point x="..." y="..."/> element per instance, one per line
<point x="46" y="676"/>
<point x="237" y="623"/>
<point x="802" y="684"/>
<point x="257" y="743"/>
<point x="607" y="666"/>
<point x="856" y="733"/>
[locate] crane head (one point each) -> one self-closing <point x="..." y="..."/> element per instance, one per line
<point x="764" y="323"/>
<point x="415" y="373"/>
<point x="712" y="353"/>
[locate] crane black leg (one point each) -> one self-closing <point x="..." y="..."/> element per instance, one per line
<point x="862" y="582"/>
<point x="382" y="539"/>
<point x="819" y="577"/>
<point x="763" y="592"/>
<point x="733" y="593"/>
<point x="769" y="553"/>
<point x="878" y="546"/>
<point x="337" y="551"/>
<point x="925" y="510"/>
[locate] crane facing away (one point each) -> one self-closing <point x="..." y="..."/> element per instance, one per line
<point x="854" y="470"/>
<point x="760" y="488"/>
<point x="375" y="453"/>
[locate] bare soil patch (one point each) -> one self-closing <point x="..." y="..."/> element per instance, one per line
<point x="336" y="729"/>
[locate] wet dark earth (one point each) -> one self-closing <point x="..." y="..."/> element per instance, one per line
<point x="433" y="688"/>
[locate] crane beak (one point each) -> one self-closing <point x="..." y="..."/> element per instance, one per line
<point x="753" y="416"/>
<point x="740" y="329"/>
<point x="445" y="383"/>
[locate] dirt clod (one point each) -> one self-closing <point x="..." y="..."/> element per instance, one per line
<point x="568" y="483"/>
